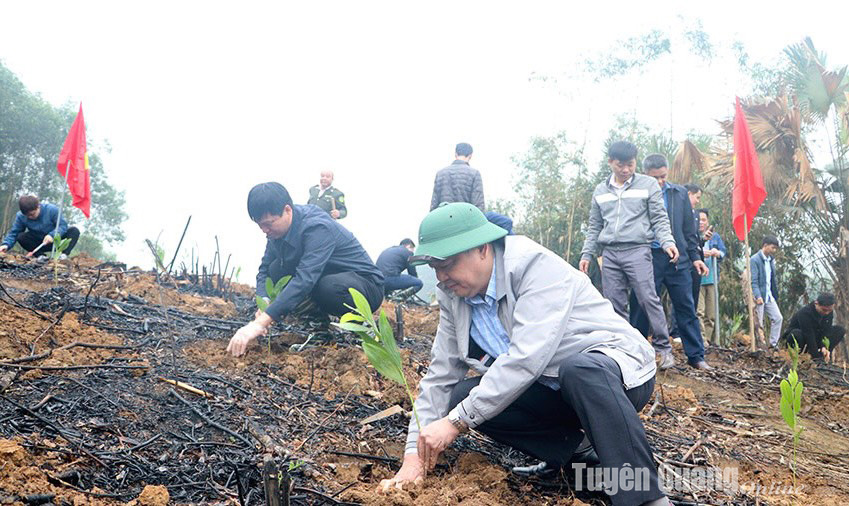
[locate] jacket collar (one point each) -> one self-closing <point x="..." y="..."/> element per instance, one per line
<point x="459" y="162"/>
<point x="500" y="277"/>
<point x="627" y="182"/>
<point x="294" y="233"/>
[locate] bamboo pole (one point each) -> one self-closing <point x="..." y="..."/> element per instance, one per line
<point x="750" y="302"/>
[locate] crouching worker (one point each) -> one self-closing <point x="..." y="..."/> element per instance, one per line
<point x="557" y="363"/>
<point x="393" y="262"/>
<point x="34" y="228"/>
<point x="811" y="324"/>
<point x="323" y="258"/>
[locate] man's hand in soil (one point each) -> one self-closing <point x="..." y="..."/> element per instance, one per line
<point x="826" y="355"/>
<point x="412" y="471"/>
<point x="435" y="438"/>
<point x="3" y="248"/>
<point x="247" y="335"/>
<point x="47" y="239"/>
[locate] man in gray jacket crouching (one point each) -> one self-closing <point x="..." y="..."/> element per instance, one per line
<point x="556" y="363"/>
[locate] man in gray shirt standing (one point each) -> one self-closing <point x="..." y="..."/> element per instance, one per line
<point x="458" y="182"/>
<point x="627" y="215"/>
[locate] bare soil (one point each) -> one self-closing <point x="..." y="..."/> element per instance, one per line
<point x="309" y="406"/>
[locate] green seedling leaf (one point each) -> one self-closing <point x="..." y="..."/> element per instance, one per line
<point x="269" y="287"/>
<point x="380" y="359"/>
<point x="787" y="413"/>
<point x="797" y="397"/>
<point x="793" y="378"/>
<point x="362" y="306"/>
<point x="387" y="337"/>
<point x="353" y="327"/>
<point x="351" y="317"/>
<point x="826" y="343"/>
<point x="281" y="283"/>
<point x="261" y="304"/>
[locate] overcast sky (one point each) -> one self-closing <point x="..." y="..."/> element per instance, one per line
<point x="202" y="100"/>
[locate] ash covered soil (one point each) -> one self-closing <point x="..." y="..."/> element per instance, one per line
<point x="89" y="413"/>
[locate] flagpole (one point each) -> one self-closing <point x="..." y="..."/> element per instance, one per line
<point x="749" y="295"/>
<point x="59" y="206"/>
<point x="716" y="322"/>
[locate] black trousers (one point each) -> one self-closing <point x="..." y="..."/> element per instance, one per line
<point x="812" y="343"/>
<point x="31" y="239"/>
<point x="330" y="292"/>
<point x="548" y="424"/>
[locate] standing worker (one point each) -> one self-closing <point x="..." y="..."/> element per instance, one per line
<point x="458" y="182"/>
<point x="328" y="197"/>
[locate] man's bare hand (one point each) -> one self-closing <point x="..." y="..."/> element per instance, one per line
<point x="47" y="239"/>
<point x="435" y="438"/>
<point x="759" y="301"/>
<point x="672" y="251"/>
<point x="247" y="335"/>
<point x="3" y="248"/>
<point x="412" y="471"/>
<point x="825" y="353"/>
<point x="701" y="268"/>
<point x="584" y="266"/>
<point x="335" y="214"/>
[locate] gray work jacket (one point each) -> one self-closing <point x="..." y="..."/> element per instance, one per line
<point x="550" y="311"/>
<point x="626" y="219"/>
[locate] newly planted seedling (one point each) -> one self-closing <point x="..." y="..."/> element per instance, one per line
<point x="273" y="290"/>
<point x="59" y="246"/>
<point x="826" y="343"/>
<point x="378" y="342"/>
<point x="791" y="400"/>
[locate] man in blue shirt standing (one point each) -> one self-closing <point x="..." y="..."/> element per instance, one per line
<point x="765" y="288"/>
<point x="714" y="251"/>
<point x="34" y="228"/>
<point x="323" y="258"/>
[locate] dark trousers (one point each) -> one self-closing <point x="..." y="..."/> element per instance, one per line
<point x="547" y="424"/>
<point x="697" y="284"/>
<point x="401" y="282"/>
<point x="679" y="284"/>
<point x="330" y="292"/>
<point x="812" y="343"/>
<point x="31" y="239"/>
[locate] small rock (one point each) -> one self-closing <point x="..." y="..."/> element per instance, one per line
<point x="154" y="495"/>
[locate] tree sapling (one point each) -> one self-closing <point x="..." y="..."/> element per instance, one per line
<point x="378" y="342"/>
<point x="791" y="401"/>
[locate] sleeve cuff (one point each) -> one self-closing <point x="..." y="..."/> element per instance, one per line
<point x="469" y="414"/>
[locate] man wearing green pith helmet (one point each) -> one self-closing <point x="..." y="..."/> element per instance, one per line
<point x="561" y="375"/>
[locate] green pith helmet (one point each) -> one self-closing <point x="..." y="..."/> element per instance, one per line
<point x="453" y="228"/>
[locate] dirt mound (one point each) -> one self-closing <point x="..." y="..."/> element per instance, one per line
<point x="144" y="285"/>
<point x="474" y="482"/>
<point x="332" y="370"/>
<point x="22" y="333"/>
<point x="23" y="474"/>
<point x="421" y="320"/>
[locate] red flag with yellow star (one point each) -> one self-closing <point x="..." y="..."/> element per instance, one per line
<point x="73" y="165"/>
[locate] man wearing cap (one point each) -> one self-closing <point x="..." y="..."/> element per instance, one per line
<point x="458" y="182"/>
<point x="556" y="363"/>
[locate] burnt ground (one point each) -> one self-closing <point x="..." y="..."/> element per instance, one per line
<point x="87" y="416"/>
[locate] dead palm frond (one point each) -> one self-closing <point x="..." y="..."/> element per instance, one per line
<point x="776" y="128"/>
<point x="689" y="160"/>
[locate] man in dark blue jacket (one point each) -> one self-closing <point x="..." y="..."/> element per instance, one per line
<point x="323" y="258"/>
<point x="676" y="276"/>
<point x="35" y="225"/>
<point x="393" y="262"/>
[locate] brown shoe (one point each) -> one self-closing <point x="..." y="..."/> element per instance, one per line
<point x="704" y="366"/>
